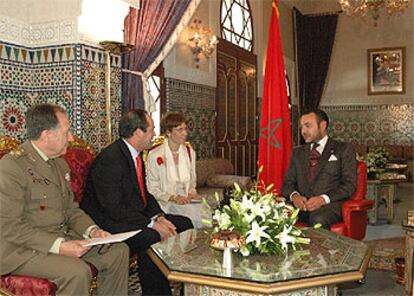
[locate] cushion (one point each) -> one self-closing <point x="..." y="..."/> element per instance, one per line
<point x="221" y="166"/>
<point x="222" y="181"/>
<point x="203" y="170"/>
<point x="27" y="285"/>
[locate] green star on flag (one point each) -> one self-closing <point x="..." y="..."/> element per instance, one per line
<point x="269" y="132"/>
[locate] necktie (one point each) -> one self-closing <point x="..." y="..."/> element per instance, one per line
<point x="141" y="180"/>
<point x="313" y="160"/>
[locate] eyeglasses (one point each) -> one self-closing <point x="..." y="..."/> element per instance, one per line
<point x="181" y="129"/>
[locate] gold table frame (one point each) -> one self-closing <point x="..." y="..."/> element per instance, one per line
<point x="328" y="282"/>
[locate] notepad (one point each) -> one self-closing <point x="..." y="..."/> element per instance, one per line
<point x="113" y="238"/>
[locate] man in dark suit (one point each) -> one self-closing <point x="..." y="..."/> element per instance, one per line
<point x="117" y="198"/>
<point x="321" y="174"/>
<point x="42" y="228"/>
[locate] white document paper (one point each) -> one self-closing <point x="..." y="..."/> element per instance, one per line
<point x="113" y="238"/>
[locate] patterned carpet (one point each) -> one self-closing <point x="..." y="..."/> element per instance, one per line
<point x="384" y="251"/>
<point x="134" y="287"/>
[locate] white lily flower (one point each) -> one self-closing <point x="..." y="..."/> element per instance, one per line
<point x="285" y="238"/>
<point x="216" y="215"/>
<point x="246" y="203"/>
<point x="257" y="210"/>
<point x="249" y="217"/>
<point x="256" y="233"/>
<point x="224" y="221"/>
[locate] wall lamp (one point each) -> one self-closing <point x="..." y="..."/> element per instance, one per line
<point x="201" y="41"/>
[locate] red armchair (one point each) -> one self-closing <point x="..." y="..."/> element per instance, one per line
<point x="7" y="144"/>
<point x="354" y="210"/>
<point x="79" y="158"/>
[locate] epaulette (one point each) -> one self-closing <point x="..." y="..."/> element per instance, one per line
<point x="17" y="152"/>
<point x="155" y="147"/>
<point x="156" y="142"/>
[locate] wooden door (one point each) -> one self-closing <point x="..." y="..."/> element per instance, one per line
<point x="236" y="106"/>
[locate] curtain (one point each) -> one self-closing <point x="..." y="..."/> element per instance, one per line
<point x="153" y="30"/>
<point x="315" y="36"/>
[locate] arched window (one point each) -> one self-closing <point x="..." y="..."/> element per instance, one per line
<point x="236" y="23"/>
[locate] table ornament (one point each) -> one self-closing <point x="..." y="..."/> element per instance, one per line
<point x="265" y="221"/>
<point x="225" y="239"/>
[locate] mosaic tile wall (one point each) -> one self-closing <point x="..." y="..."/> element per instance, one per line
<point x="373" y="124"/>
<point x="70" y="75"/>
<point x="198" y="103"/>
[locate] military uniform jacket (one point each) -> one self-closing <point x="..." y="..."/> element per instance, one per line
<point x="36" y="206"/>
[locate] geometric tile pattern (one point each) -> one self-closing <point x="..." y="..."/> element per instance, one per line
<point x="70" y="75"/>
<point x="373" y="125"/>
<point x="198" y="103"/>
<point x="13" y="107"/>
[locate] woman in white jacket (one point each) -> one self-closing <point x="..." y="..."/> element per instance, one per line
<point x="171" y="175"/>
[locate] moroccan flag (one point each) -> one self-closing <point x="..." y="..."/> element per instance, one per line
<point x="275" y="141"/>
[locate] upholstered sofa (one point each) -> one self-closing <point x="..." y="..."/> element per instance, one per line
<point x="213" y="175"/>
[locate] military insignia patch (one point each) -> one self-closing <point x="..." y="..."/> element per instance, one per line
<point x="67" y="177"/>
<point x="17" y="152"/>
<point x="41" y="181"/>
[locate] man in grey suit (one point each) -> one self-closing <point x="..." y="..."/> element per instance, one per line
<point x="42" y="228"/>
<point x="321" y="174"/>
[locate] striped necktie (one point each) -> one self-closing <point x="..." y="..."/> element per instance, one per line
<point x="313" y="160"/>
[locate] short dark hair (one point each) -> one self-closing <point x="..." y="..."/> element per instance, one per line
<point x="172" y="120"/>
<point x="42" y="117"/>
<point x="320" y="115"/>
<point x="132" y="120"/>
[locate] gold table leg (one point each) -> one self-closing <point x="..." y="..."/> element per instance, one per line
<point x="409" y="249"/>
<point x="390" y="202"/>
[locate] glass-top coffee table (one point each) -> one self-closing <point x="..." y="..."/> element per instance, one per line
<point x="330" y="259"/>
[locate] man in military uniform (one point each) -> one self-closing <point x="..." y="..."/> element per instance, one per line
<point x="42" y="228"/>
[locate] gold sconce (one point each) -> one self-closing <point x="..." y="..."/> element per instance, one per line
<point x="201" y="41"/>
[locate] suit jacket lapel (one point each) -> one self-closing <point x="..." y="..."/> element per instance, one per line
<point x="133" y="171"/>
<point x="41" y="167"/>
<point x="323" y="159"/>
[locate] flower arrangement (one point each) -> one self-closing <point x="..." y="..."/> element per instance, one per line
<point x="266" y="222"/>
<point x="376" y="159"/>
